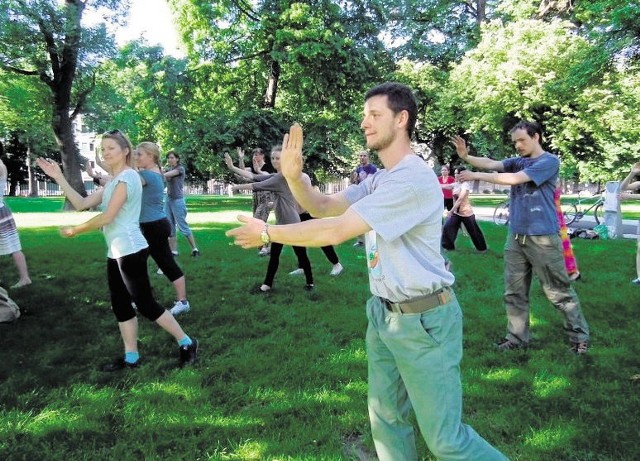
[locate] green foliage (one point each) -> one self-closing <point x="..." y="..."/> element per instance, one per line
<point x="253" y="68"/>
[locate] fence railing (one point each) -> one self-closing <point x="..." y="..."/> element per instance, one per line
<point x="51" y="189"/>
<point x="212" y="187"/>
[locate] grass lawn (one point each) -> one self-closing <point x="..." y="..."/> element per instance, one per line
<point x="283" y="376"/>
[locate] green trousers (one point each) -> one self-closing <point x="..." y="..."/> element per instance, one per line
<point x="414" y="362"/>
<point x="542" y="255"/>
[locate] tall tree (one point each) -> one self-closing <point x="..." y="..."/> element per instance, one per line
<point x="280" y="60"/>
<point x="436" y="31"/>
<point x="534" y="69"/>
<point x="45" y="39"/>
<point x="25" y="114"/>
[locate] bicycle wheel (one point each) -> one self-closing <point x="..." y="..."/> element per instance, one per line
<point x="570" y="212"/>
<point x="597" y="213"/>
<point x="501" y="213"/>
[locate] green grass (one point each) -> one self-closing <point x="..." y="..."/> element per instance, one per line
<point x="283" y="376"/>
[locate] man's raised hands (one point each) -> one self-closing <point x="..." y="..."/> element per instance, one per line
<point x="291" y="156"/>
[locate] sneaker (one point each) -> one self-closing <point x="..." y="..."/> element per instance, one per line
<point x="189" y="354"/>
<point x="119" y="364"/>
<point x="297" y="272"/>
<point x="264" y="251"/>
<point x="195" y="253"/>
<point x="174" y="253"/>
<point x="580" y="348"/>
<point x="179" y="307"/>
<point x="261" y="289"/>
<point x="159" y="272"/>
<point x="358" y="244"/>
<point x="508" y="345"/>
<point x="337" y="269"/>
<point x="309" y="287"/>
<point x="636" y="281"/>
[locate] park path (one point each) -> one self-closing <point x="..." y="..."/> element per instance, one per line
<point x="630" y="227"/>
<point x="71" y="218"/>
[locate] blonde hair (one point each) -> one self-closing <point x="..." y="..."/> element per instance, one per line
<point x="151" y="148"/>
<point x="124" y="143"/>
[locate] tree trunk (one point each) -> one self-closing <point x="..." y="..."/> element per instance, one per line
<point x="481" y="11"/>
<point x="272" y="85"/>
<point x="33" y="184"/>
<point x="64" y="71"/>
<point x="71" y="165"/>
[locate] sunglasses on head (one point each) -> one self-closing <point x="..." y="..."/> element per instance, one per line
<point x="114" y="132"/>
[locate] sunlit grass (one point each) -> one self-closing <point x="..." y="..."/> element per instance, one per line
<point x="284" y="376"/>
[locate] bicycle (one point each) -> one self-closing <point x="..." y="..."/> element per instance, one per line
<point x="574" y="211"/>
<point x="501" y="213"/>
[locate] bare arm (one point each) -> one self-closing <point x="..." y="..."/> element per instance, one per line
<point x="313" y="233"/>
<point x="118" y="199"/>
<point x="461" y="196"/>
<point x="628" y="183"/>
<point x="316" y="203"/>
<point x="240" y="158"/>
<point x="483" y="163"/>
<point x="52" y="169"/>
<point x="239" y="171"/>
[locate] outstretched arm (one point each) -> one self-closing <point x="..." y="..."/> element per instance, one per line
<point x="628" y="184"/>
<point x="100" y="220"/>
<point x="313" y="233"/>
<point x="52" y="169"/>
<point x="316" y="203"/>
<point x="479" y="162"/>
<point x="239" y="171"/>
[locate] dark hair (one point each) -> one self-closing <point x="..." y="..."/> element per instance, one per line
<point x="175" y="154"/>
<point x="530" y="127"/>
<point x="460" y="168"/>
<point x="258" y="151"/>
<point x="400" y="97"/>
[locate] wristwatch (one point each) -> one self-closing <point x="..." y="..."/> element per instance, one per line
<point x="264" y="235"/>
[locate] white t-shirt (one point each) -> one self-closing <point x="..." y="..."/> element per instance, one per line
<point x="123" y="235"/>
<point x="404" y="208"/>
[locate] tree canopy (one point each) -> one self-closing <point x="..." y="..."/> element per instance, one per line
<point x="252" y="68"/>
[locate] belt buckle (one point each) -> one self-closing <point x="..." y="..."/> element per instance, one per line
<point x="444" y="297"/>
<point x="392" y="307"/>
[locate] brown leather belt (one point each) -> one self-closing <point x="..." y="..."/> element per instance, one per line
<point x="420" y="305"/>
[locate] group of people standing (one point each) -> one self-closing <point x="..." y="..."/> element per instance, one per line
<point x="134" y="225"/>
<point x="287" y="211"/>
<point x="399" y="210"/>
<point x="414" y="333"/>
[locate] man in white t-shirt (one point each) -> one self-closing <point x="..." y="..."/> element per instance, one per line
<point x="414" y="337"/>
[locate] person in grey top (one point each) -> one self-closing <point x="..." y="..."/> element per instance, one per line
<point x="176" y="208"/>
<point x="414" y="335"/>
<point x="287" y="212"/>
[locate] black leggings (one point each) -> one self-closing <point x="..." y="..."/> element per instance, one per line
<point x="452" y="226"/>
<point x="328" y="251"/>
<point x="157" y="234"/>
<point x="274" y="262"/>
<point x="129" y="282"/>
